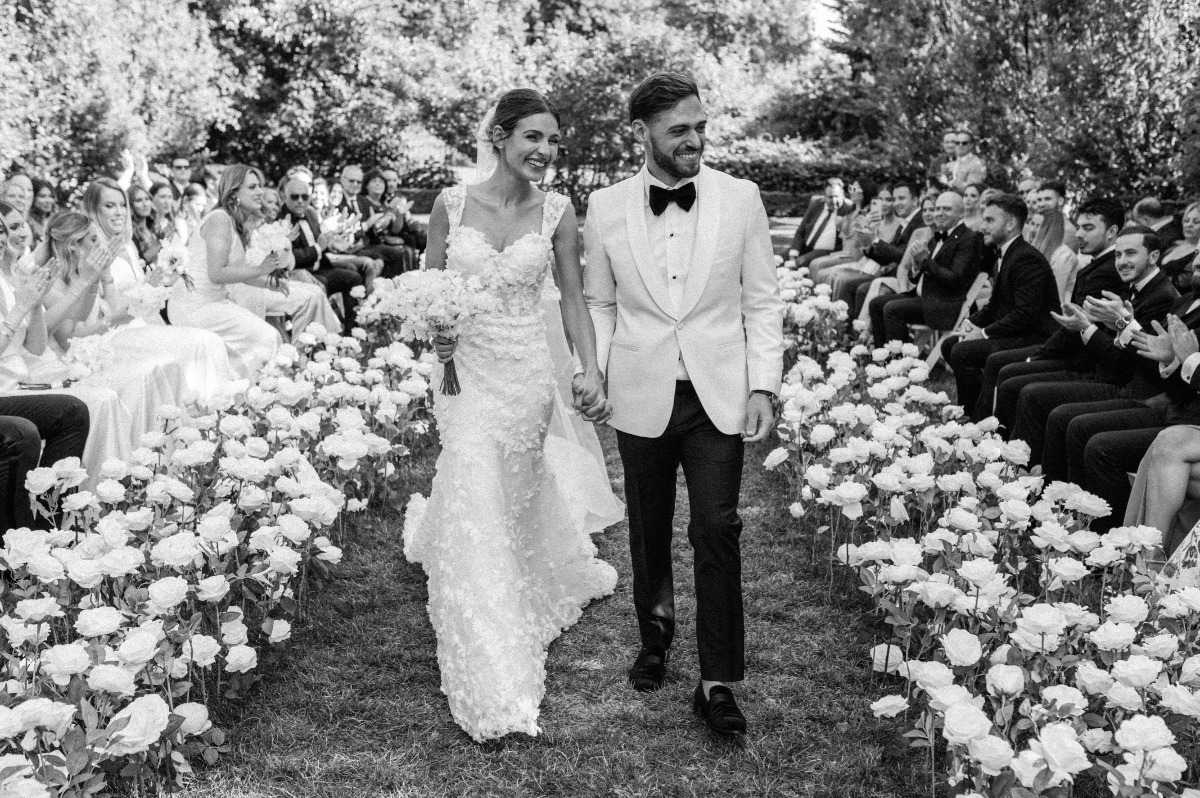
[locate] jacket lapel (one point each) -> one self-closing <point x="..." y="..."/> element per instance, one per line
<point x="708" y="206"/>
<point x="639" y="242"/>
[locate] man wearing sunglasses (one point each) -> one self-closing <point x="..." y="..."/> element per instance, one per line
<point x="968" y="168"/>
<point x="181" y="176"/>
<point x="311" y="246"/>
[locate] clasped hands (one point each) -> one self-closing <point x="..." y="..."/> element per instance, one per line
<point x="589" y="398"/>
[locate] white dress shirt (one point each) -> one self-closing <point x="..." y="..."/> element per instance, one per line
<point x="672" y="237"/>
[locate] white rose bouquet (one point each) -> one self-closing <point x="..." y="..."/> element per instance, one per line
<point x="270" y="239"/>
<point x="86" y="355"/>
<point x="145" y="300"/>
<point x="437" y="303"/>
<point x="172" y="263"/>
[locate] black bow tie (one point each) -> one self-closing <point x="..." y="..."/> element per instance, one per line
<point x="660" y="198"/>
<point x="939" y="237"/>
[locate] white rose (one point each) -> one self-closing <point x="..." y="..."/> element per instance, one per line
<point x="886" y="658"/>
<point x="1059" y="745"/>
<point x="112" y="679"/>
<point x="889" y="706"/>
<point x="1068" y="569"/>
<point x="1005" y="680"/>
<point x="992" y="753"/>
<point x="1124" y="697"/>
<point x="64" y="661"/>
<point x="1092" y="679"/>
<point x="280" y="630"/>
<point x="1127" y="609"/>
<point x="99" y="621"/>
<point x="1097" y="741"/>
<point x="1189" y="671"/>
<point x="46" y="714"/>
<point x="964" y="723"/>
<point x="1144" y="733"/>
<point x="1113" y="636"/>
<point x="1042" y="619"/>
<point x="1063" y="696"/>
<point x="195" y="718"/>
<point x="775" y="459"/>
<point x="1162" y="764"/>
<point x="978" y="571"/>
<point x="240" y="659"/>
<point x="212" y="588"/>
<point x="933" y="675"/>
<point x="166" y="593"/>
<point x="962" y="648"/>
<point x="138" y="648"/>
<point x="1138" y="671"/>
<point x="1160" y="646"/>
<point x="148" y="717"/>
<point x="201" y="650"/>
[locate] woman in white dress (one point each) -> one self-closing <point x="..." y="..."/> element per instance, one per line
<point x="28" y="361"/>
<point x="199" y="355"/>
<point x="509" y="565"/>
<point x="1048" y="232"/>
<point x="216" y="261"/>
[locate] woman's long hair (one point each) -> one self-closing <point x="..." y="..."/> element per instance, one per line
<point x="231" y="181"/>
<point x="64" y="231"/>
<point x="91" y="206"/>
<point x="145" y="230"/>
<point x="40" y="185"/>
<point x="1051" y="234"/>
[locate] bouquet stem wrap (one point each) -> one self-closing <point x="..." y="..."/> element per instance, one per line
<point x="450" y="386"/>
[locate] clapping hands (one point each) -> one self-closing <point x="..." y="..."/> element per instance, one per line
<point x="589" y="397"/>
<point x="1108" y="310"/>
<point x="1073" y="318"/>
<point x="1173" y="343"/>
<point x="31" y="290"/>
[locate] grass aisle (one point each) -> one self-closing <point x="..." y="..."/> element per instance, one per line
<point x="356" y="709"/>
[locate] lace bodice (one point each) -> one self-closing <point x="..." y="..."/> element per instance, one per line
<point x="516" y="274"/>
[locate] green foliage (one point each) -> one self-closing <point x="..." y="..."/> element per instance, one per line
<point x="799" y="166"/>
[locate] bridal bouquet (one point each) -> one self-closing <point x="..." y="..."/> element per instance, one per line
<point x="268" y="240"/>
<point x="145" y="300"/>
<point x="434" y="303"/>
<point x="87" y="355"/>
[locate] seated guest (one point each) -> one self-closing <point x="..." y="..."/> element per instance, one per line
<point x="1051" y="195"/>
<point x="167" y="221"/>
<point x="181" y="177"/>
<point x="904" y="282"/>
<point x="397" y="228"/>
<point x="45" y="202"/>
<point x="944" y="270"/>
<point x="1099" y="221"/>
<point x="862" y="194"/>
<point x="1150" y="212"/>
<point x="1049" y="236"/>
<point x="1107" y="327"/>
<point x="144" y="224"/>
<point x="320" y="197"/>
<point x="1167" y="487"/>
<point x="817" y="234"/>
<point x="973" y="206"/>
<point x="941" y="168"/>
<point x="1026" y="188"/>
<point x="217" y="260"/>
<point x="368" y="243"/>
<point x="192" y="208"/>
<point x="59" y="421"/>
<point x="310" y="247"/>
<point x="271" y="204"/>
<point x="1180" y="259"/>
<point x="18" y="192"/>
<point x="880" y="220"/>
<point x="1017" y="314"/>
<point x="884" y="250"/>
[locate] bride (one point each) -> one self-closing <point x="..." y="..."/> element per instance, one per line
<point x="509" y="565"/>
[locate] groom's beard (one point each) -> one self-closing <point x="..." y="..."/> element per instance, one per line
<point x="668" y="163"/>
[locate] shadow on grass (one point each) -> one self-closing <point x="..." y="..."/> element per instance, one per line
<point x="356" y="710"/>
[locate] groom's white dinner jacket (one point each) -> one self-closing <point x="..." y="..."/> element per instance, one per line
<point x="728" y="327"/>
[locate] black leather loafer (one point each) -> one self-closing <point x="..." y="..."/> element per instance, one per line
<point x="649" y="670"/>
<point x="720" y="710"/>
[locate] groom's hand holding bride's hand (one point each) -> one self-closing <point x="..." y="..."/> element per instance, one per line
<point x="589" y="399"/>
<point x="760" y="418"/>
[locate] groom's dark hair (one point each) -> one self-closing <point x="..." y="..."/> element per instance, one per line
<point x="660" y="92"/>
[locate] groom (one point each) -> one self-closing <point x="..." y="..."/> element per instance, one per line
<point x="680" y="281"/>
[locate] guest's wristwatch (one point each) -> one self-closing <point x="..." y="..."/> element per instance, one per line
<point x="1123" y="322"/>
<point x="775" y="403"/>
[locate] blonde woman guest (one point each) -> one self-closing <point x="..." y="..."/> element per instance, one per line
<point x="216" y="262"/>
<point x="1049" y="235"/>
<point x="198" y="356"/>
<point x="26" y="356"/>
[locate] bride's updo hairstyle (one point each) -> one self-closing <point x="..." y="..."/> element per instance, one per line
<point x="516" y="105"/>
<point x="660" y="92"/>
<point x="231" y="181"/>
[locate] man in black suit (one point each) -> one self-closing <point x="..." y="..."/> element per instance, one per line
<point x="1024" y="294"/>
<point x="310" y="247"/>
<point x="906" y="197"/>
<point x="1111" y="368"/>
<point x="817" y="234"/>
<point x="1151" y="213"/>
<point x="396" y="258"/>
<point x="1007" y="372"/>
<point x="946" y="271"/>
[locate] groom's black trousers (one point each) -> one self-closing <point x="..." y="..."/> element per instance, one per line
<point x="712" y="467"/>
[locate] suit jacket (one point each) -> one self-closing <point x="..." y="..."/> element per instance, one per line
<point x="306" y="254"/>
<point x="890" y="252"/>
<point x="947" y="276"/>
<point x="809" y="223"/>
<point x="728" y="329"/>
<point x="1170" y="232"/>
<point x="1183" y="398"/>
<point x="1024" y="292"/>
<point x="1098" y="276"/>
<point x="1119" y="365"/>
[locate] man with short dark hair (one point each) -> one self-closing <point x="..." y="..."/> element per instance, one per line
<point x="1108" y="367"/>
<point x="1027" y="187"/>
<point x="1150" y="212"/>
<point x="181" y="176"/>
<point x="817" y="234"/>
<point x="1024" y="293"/>
<point x="1100" y="219"/>
<point x="310" y="246"/>
<point x="968" y="168"/>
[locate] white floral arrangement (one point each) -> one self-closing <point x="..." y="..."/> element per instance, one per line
<point x="146" y="300"/>
<point x="88" y="354"/>
<point x="425" y="305"/>
<point x="172" y="263"/>
<point x="267" y="240"/>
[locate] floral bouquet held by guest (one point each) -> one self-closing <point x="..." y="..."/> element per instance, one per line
<point x="437" y="304"/>
<point x="271" y="239"/>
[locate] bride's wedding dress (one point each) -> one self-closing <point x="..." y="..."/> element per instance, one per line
<point x="509" y="564"/>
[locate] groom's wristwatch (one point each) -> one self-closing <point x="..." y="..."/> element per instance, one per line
<point x="775" y="403"/>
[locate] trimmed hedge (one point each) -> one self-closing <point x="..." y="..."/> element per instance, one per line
<point x="800" y="167"/>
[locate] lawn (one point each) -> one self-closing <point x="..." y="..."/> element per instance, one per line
<point x="355" y="709"/>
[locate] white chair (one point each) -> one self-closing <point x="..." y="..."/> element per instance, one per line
<point x="939" y="337"/>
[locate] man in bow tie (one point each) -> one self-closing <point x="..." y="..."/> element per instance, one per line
<point x="680" y="280"/>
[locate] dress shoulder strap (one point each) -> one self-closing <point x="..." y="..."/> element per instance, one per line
<point x="456" y="200"/>
<point x="552" y="211"/>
